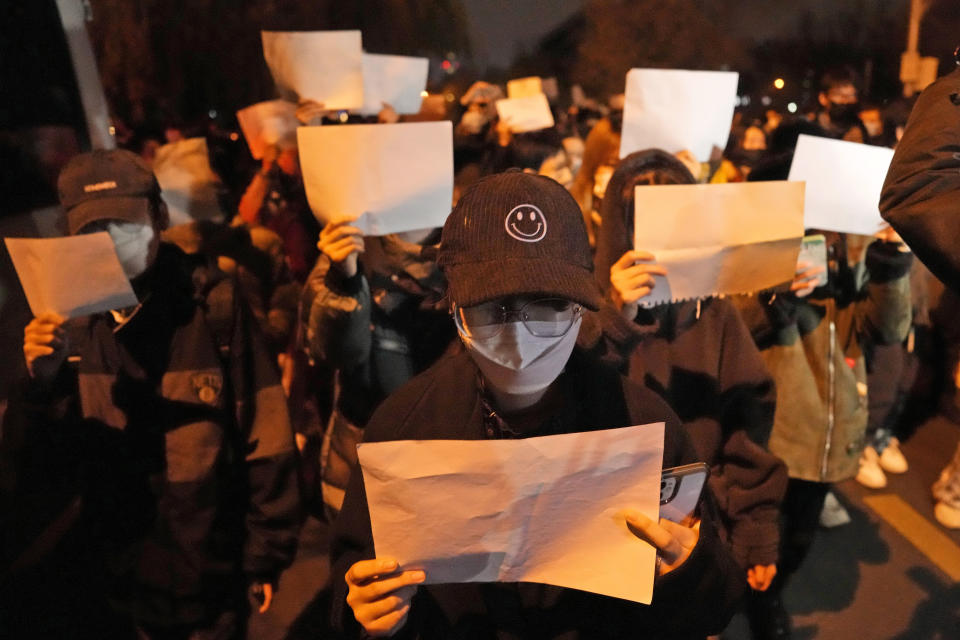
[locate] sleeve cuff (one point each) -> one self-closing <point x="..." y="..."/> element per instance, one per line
<point x="886" y="262"/>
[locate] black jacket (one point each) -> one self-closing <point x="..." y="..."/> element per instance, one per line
<point x="445" y="402"/>
<point x="921" y="195"/>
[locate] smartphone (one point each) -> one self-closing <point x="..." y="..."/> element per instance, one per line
<point x="680" y="491"/>
<point x="813" y="251"/>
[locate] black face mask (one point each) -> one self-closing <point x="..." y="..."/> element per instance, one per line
<point x="844" y="114"/>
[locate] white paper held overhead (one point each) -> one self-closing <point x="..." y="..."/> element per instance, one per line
<point x="323" y="66"/>
<point x="674" y="110"/>
<point x="524" y="87"/>
<point x="386" y="178"/>
<point x="395" y="80"/>
<point x="73" y="276"/>
<point x="187" y="182"/>
<point x="844" y="180"/>
<point x="269" y="123"/>
<point x="530" y="113"/>
<point x="719" y="239"/>
<point x="546" y="509"/>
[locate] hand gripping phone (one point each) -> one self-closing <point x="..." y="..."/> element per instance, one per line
<point x="680" y="491"/>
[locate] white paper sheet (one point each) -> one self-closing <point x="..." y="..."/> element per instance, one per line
<point x="675" y="110"/>
<point x="844" y="180"/>
<point x="324" y="66"/>
<point x="545" y="509"/>
<point x="388" y="178"/>
<point x="395" y="80"/>
<point x="269" y="123"/>
<point x="719" y="239"/>
<point x="531" y="113"/>
<point x="73" y="276"/>
<point x="187" y="182"/>
<point x="525" y="87"/>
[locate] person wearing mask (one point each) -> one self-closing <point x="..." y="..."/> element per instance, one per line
<point x="173" y="408"/>
<point x="516" y="257"/>
<point x="920" y="200"/>
<point x="699" y="356"/>
<point x="374" y="322"/>
<point x="839" y="99"/>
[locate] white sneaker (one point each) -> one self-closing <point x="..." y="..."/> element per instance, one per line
<point x="892" y="459"/>
<point x="870" y="474"/>
<point x="946" y="515"/>
<point x="833" y="513"/>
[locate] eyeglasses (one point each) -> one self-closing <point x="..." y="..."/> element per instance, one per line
<point x="544" y="318"/>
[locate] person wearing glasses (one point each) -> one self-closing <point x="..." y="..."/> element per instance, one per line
<point x="519" y="270"/>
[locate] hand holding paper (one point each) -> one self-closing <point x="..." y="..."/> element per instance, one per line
<point x="380" y="595"/>
<point x="632" y="279"/>
<point x="45" y="346"/>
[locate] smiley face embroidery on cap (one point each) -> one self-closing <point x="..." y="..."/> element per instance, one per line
<point x="526" y="223"/>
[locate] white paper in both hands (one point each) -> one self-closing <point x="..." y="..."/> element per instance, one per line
<point x="719" y="239"/>
<point x="73" y="276"/>
<point x="675" y="110"/>
<point x="269" y="123"/>
<point x="187" y="182"/>
<point x="844" y="180"/>
<point x="323" y="66"/>
<point x="546" y="509"/>
<point x="525" y="87"/>
<point x="384" y="178"/>
<point x="530" y="113"/>
<point x="395" y="80"/>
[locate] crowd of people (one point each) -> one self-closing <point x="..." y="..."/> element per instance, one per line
<point x="159" y="460"/>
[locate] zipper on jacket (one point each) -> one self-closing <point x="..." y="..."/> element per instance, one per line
<point x="831" y="399"/>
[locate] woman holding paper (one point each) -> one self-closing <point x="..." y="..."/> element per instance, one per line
<point x="700" y="357"/>
<point x="517" y="259"/>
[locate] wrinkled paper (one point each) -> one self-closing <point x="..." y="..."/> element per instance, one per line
<point x="546" y="509"/>
<point x="267" y="124"/>
<point x="719" y="239"/>
<point x="844" y="180"/>
<point x="530" y="113"/>
<point x="187" y="182"/>
<point x="395" y="80"/>
<point x="386" y="178"/>
<point x="323" y="66"/>
<point x="73" y="276"/>
<point x="675" y="110"/>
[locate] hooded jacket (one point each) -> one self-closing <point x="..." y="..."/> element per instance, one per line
<point x="176" y="433"/>
<point x="700" y="358"/>
<point x="921" y="195"/>
<point x="446" y="402"/>
<point x="812" y="347"/>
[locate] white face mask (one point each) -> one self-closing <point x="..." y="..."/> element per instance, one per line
<point x="134" y="244"/>
<point x="516" y="362"/>
<point x="473" y="122"/>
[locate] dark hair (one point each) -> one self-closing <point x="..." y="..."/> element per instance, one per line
<point x="838" y="77"/>
<point x="532" y="148"/>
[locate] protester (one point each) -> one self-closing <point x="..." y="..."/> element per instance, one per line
<point x="375" y="322"/>
<point x="700" y="358"/>
<point x="811" y="339"/>
<point x="174" y="413"/>
<point x="489" y="391"/>
<point x="919" y="199"/>
<point x="839" y="103"/>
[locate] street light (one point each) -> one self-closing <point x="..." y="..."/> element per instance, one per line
<point x="778" y="83"/>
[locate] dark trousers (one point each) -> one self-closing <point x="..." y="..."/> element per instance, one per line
<point x="801" y="519"/>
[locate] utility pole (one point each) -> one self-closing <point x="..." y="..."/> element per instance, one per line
<point x="916" y="72"/>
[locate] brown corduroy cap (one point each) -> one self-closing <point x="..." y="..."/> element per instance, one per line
<point x="516" y="233"/>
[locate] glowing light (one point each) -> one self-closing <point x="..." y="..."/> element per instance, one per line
<point x="113" y="130"/>
<point x="234" y="136"/>
<point x="212" y="113"/>
<point x="343" y="116"/>
<point x="446" y="65"/>
<point x="766" y="101"/>
<point x="450" y="97"/>
<point x="792" y="107"/>
<point x="424" y="94"/>
<point x="778" y="83"/>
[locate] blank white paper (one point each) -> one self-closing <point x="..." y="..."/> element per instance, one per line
<point x="395" y="80"/>
<point x="323" y="66"/>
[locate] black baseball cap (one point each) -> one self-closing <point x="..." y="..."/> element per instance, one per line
<point x="107" y="185"/>
<point x="517" y="233"/>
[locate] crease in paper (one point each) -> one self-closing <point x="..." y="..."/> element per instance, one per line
<point x="546" y="509"/>
<point x="717" y="240"/>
